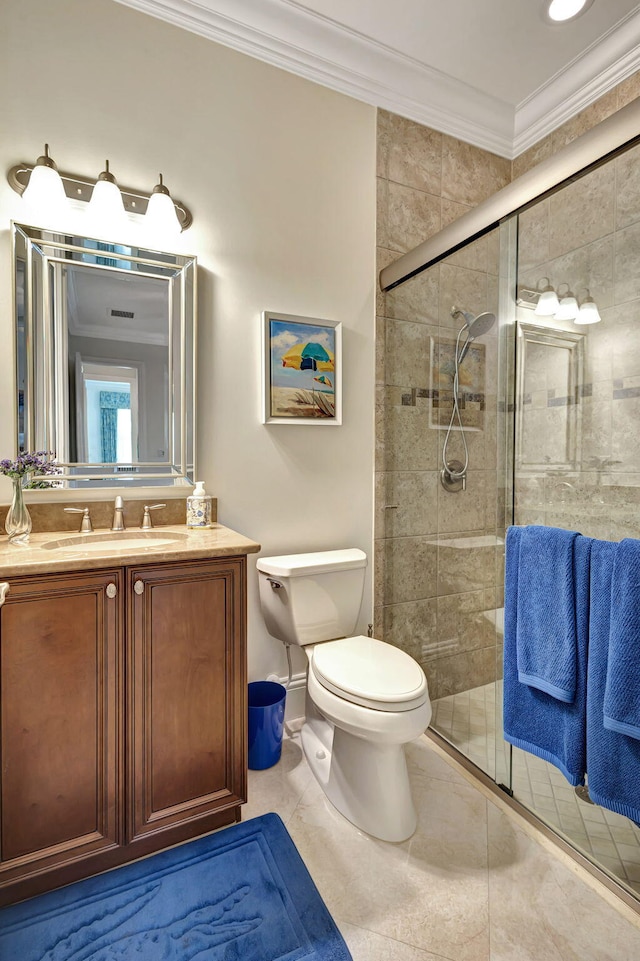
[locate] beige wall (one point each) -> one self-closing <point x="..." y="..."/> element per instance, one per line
<point x="280" y="176"/>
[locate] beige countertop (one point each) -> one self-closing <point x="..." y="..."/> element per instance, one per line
<point x="48" y="553"/>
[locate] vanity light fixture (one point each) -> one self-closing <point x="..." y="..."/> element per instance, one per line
<point x="24" y="180"/>
<point x="561" y="11"/>
<point x="548" y="302"/>
<point x="45" y="190"/>
<point x="568" y="307"/>
<point x="588" y="313"/>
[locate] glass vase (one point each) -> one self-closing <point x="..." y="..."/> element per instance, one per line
<point x="18" y="520"/>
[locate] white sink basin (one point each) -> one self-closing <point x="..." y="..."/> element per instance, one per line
<point x="100" y="541"/>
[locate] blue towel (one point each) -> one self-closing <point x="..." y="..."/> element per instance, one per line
<point x="546" y="628"/>
<point x="534" y="720"/>
<point x="613" y="760"/>
<point x="622" y="691"/>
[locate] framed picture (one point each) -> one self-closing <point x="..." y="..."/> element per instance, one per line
<point x="302" y="370"/>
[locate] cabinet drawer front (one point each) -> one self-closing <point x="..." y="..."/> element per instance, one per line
<point x="186" y="657"/>
<point x="59" y="686"/>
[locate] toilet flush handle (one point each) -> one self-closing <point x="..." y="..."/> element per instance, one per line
<point x="276" y="585"/>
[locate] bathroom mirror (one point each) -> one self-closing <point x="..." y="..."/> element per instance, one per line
<point x="105" y="345"/>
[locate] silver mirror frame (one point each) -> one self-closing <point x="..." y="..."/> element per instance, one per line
<point x="35" y="253"/>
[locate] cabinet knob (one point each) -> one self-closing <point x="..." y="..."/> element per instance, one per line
<point x="139" y="587"/>
<point x="4" y="590"/>
<point x="112" y="590"/>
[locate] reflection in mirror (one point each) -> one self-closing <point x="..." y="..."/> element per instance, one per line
<point x="105" y="359"/>
<point x="550" y="376"/>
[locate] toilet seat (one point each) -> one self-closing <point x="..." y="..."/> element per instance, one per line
<point x="371" y="673"/>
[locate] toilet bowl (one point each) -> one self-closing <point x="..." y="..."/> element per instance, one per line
<point x="365" y="698"/>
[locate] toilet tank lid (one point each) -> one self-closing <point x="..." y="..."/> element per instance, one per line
<point x="319" y="562"/>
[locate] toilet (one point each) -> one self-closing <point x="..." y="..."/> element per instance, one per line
<point x="365" y="699"/>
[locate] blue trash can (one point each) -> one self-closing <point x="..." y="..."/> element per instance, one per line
<point x="266" y="722"/>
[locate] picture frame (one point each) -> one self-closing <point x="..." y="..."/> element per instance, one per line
<point x="302" y="370"/>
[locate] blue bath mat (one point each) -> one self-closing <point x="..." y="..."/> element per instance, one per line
<point x="242" y="894"/>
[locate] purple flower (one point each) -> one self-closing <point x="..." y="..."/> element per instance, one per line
<point x="30" y="462"/>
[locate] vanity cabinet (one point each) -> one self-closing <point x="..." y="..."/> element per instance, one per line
<point x="122" y="715"/>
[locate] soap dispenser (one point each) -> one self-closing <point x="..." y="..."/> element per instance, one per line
<point x="199" y="507"/>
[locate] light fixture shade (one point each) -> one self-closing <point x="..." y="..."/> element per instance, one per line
<point x="588" y="314"/>
<point x="106" y="207"/>
<point x="548" y="303"/>
<point x="161" y="213"/>
<point x="568" y="308"/>
<point x="45" y="192"/>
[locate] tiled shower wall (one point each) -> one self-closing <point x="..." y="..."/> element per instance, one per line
<point x="437" y="571"/>
<point x="435" y="551"/>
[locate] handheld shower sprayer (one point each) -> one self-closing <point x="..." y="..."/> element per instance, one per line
<point x="482" y="324"/>
<point x="453" y="475"/>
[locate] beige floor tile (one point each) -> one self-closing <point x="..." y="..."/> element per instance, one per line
<point x="423" y="761"/>
<point x="470" y="885"/>
<point x="367" y="946"/>
<point x="540" y="910"/>
<point x="432" y="899"/>
<point x="279" y="788"/>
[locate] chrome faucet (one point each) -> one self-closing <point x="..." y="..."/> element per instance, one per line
<point x="118" y="519"/>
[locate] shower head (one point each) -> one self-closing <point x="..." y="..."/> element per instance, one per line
<point x="477" y="327"/>
<point x="481" y="325"/>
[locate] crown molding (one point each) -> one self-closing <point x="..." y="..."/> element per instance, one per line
<point x="588" y="77"/>
<point x="319" y="49"/>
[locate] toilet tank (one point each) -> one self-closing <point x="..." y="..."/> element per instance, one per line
<point x="308" y="598"/>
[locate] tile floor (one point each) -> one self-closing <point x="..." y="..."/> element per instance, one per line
<point x="468" y="720"/>
<point x="472" y="884"/>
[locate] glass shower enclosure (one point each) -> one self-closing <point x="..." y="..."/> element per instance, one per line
<point x="542" y="421"/>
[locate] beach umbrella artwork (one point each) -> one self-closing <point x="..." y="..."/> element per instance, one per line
<point x="309" y="356"/>
<point x="322" y="379"/>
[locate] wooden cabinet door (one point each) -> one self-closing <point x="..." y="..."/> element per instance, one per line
<point x="59" y="731"/>
<point x="187" y="695"/>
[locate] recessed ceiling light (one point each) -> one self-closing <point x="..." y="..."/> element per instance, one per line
<point x="560" y="11"/>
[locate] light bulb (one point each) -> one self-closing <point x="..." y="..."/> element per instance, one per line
<point x="106" y="206"/>
<point x="44" y="193"/>
<point x="161" y="213"/>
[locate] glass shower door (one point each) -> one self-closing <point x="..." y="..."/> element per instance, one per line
<point x="576" y="452"/>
